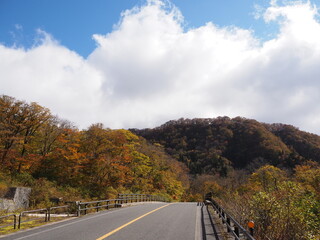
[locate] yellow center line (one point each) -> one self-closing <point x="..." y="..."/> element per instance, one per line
<point x="134" y="220"/>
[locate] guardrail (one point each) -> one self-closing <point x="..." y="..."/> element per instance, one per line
<point x="107" y="204"/>
<point x="233" y="226"/>
<point x="78" y="207"/>
<point x="54" y="211"/>
<point x="115" y="203"/>
<point x="39" y="214"/>
<point x="125" y="198"/>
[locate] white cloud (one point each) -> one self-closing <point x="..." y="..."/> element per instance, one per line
<point x="149" y="69"/>
<point x="18" y="27"/>
<point x="54" y="77"/>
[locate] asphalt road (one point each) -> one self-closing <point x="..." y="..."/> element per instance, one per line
<point x="154" y="221"/>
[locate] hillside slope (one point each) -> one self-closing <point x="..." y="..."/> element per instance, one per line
<point x="220" y="144"/>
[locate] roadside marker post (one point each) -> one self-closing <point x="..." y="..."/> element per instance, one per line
<point x="251" y="227"/>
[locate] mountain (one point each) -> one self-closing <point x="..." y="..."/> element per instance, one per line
<point x="217" y="145"/>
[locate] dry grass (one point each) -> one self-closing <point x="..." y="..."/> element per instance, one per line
<point x="26" y="225"/>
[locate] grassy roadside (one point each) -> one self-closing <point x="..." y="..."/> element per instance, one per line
<point x="27" y="225"/>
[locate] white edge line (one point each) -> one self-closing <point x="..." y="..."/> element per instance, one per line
<point x="197" y="233"/>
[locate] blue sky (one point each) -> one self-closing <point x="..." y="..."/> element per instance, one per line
<point x="73" y="22"/>
<point x="137" y="64"/>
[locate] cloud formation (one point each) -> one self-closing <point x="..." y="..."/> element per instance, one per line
<point x="150" y="69"/>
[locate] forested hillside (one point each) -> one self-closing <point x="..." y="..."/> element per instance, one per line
<point x="56" y="159"/>
<point x="221" y="144"/>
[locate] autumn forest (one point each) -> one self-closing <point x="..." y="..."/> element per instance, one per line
<point x="268" y="173"/>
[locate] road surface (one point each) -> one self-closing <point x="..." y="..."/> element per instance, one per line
<point x="154" y="221"/>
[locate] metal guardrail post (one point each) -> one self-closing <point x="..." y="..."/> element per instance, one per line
<point x="19" y="221"/>
<point x="46" y="216"/>
<point x="229" y="223"/>
<point x="49" y="214"/>
<point x="236" y="231"/>
<point x="78" y="209"/>
<point x="14" y="221"/>
<point x="251" y="231"/>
